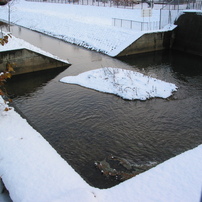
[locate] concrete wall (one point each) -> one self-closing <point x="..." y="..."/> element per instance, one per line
<point x="149" y="42"/>
<point x="27" y="61"/>
<point x="187" y="37"/>
<point x="188" y="34"/>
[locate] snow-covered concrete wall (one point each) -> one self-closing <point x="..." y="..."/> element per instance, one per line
<point x="149" y="42"/>
<point x="26" y="61"/>
<point x="188" y="32"/>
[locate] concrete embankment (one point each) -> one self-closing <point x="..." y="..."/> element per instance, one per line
<point x="186" y="37"/>
<point x="26" y="61"/>
<point x="149" y="42"/>
<point x="188" y="34"/>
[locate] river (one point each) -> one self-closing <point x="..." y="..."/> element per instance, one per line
<point x="86" y="126"/>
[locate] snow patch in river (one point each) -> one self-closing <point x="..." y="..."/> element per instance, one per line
<point x="127" y="84"/>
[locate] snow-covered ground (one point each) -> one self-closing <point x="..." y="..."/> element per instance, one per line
<point x="33" y="171"/>
<point x="87" y="26"/>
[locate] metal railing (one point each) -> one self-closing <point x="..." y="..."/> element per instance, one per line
<point x="135" y="25"/>
<point x="131" y="4"/>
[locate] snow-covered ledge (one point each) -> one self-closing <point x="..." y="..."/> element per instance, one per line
<point x="16" y="44"/>
<point x="30" y="168"/>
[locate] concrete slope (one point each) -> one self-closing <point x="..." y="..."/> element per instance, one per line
<point x="149" y="42"/>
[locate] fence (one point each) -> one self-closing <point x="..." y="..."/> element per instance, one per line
<point x="105" y="3"/>
<point x="135" y="25"/>
<point x="197" y="4"/>
<point x="170" y="11"/>
<point x="131" y="4"/>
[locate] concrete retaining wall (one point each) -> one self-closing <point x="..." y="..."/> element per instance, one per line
<point x="187" y="37"/>
<point x="149" y="42"/>
<point x="27" y="61"/>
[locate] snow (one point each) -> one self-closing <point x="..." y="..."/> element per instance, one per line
<point x="124" y="83"/>
<point x="30" y="168"/>
<point x="16" y="44"/>
<point x="92" y="28"/>
<point x="33" y="171"/>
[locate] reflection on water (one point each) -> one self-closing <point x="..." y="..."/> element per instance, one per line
<point x="31" y="82"/>
<point x="86" y="126"/>
<point x="189" y="65"/>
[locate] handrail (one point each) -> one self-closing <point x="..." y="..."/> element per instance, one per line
<point x="149" y="25"/>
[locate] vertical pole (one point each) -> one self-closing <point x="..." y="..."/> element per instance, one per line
<point x="178" y="6"/>
<point x="9" y="17"/>
<point x="160" y="20"/>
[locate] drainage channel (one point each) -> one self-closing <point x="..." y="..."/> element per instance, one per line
<point x="89" y="128"/>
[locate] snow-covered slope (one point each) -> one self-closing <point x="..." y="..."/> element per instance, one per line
<point x="87" y="26"/>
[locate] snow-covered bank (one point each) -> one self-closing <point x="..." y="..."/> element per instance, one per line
<point x="30" y="168"/>
<point x="92" y="28"/>
<point x="16" y="43"/>
<point x="176" y="180"/>
<point x="124" y="83"/>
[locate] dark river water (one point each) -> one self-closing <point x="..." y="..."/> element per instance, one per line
<point x="86" y="126"/>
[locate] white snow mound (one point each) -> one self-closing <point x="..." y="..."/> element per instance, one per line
<point x="127" y="84"/>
